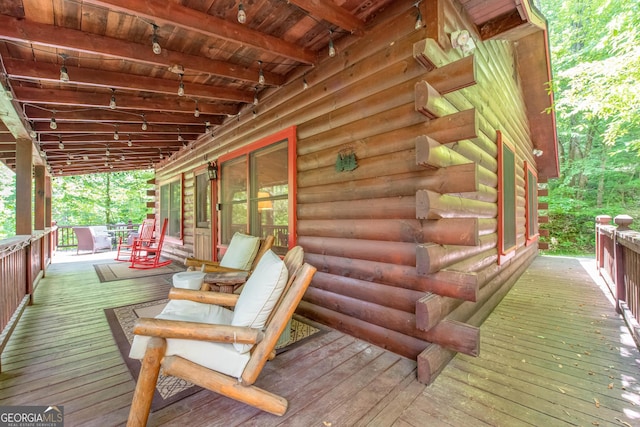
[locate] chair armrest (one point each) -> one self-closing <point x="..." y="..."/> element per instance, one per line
<point x="195" y="262"/>
<point x="197" y="331"/>
<point x="220" y="269"/>
<point x="205" y="297"/>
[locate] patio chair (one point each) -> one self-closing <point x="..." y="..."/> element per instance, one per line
<point x="146" y="254"/>
<point x="89" y="240"/>
<point x="239" y="260"/>
<point x="144" y="235"/>
<point x="195" y="338"/>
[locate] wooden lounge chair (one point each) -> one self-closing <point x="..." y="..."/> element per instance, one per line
<point x="146" y="254"/>
<point x="240" y="259"/>
<point x="145" y="234"/>
<point x="214" y="347"/>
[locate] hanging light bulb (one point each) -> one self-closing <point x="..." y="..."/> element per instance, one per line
<point x="154" y="41"/>
<point x="68" y="161"/>
<point x="255" y="97"/>
<point x="107" y="153"/>
<point x="181" y="87"/>
<point x="261" y="79"/>
<point x="305" y="84"/>
<point x="60" y="144"/>
<point x="161" y="156"/>
<point x="85" y="157"/>
<point x="53" y="124"/>
<point x="112" y="102"/>
<point x="129" y="143"/>
<point x="196" y="112"/>
<point x="180" y="138"/>
<point x="242" y="15"/>
<point x="116" y="136"/>
<point x="106" y="164"/>
<point x="144" y="123"/>
<point x="64" y="75"/>
<point x="122" y="157"/>
<point x="332" y="49"/>
<point x="419" y="23"/>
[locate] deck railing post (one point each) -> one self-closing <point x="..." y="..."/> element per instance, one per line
<point x="600" y="220"/>
<point x="623" y="222"/>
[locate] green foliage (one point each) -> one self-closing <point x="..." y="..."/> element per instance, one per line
<point x="595" y="49"/>
<point x="7" y="202"/>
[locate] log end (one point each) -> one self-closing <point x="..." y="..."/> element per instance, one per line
<point x="432" y="361"/>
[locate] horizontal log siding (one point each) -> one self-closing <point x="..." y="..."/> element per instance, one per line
<point x="359" y="228"/>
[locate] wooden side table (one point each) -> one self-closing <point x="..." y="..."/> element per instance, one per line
<point x="226" y="282"/>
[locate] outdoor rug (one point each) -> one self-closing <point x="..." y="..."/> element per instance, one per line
<point x="121" y="271"/>
<point x="171" y="389"/>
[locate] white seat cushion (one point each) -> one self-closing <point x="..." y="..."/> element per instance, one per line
<point x="219" y="357"/>
<point x="188" y="279"/>
<point x="241" y="252"/>
<point x="260" y="294"/>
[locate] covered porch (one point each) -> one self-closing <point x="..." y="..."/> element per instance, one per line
<point x="554" y="352"/>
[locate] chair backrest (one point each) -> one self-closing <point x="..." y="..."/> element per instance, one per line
<point x="265" y="245"/>
<point x="241" y="252"/>
<point x="296" y="287"/>
<point x="84" y="236"/>
<point x="146" y="230"/>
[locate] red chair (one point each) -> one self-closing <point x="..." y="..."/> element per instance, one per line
<point x="146" y="254"/>
<point x="145" y="233"/>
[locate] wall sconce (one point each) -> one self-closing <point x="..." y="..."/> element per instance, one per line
<point x="212" y="171"/>
<point x="463" y="40"/>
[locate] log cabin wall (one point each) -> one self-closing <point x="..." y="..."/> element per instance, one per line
<point x="406" y="242"/>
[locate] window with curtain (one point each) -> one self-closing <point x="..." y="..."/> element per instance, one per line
<point x="171" y="206"/>
<point x="255" y="186"/>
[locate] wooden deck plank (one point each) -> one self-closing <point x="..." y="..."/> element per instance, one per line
<point x="553" y="352"/>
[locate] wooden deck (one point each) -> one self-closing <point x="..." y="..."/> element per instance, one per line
<point x="554" y="352"/>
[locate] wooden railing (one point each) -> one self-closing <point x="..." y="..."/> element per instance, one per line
<point x="22" y="264"/>
<point x="618" y="261"/>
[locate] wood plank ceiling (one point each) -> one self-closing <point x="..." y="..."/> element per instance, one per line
<point x="105" y="47"/>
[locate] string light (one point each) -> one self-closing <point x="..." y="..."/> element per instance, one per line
<point x="255" y="97"/>
<point x="419" y="23"/>
<point x="242" y="15"/>
<point x="60" y="144"/>
<point x="107" y="153"/>
<point x="332" y="49"/>
<point x="144" y="123"/>
<point x="64" y="75"/>
<point x="154" y="41"/>
<point x="112" y="102"/>
<point x="180" y="138"/>
<point x="305" y="84"/>
<point x="129" y="143"/>
<point x="181" y="87"/>
<point x="196" y="112"/>
<point x="52" y="124"/>
<point x="261" y="79"/>
<point x="85" y="157"/>
<point x="116" y="136"/>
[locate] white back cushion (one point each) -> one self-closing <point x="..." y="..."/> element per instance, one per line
<point x="241" y="251"/>
<point x="260" y="294"/>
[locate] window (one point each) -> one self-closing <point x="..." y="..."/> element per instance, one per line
<point x="258" y="190"/>
<point x="531" y="184"/>
<point x="203" y="200"/>
<point x="506" y="197"/>
<point x="171" y="207"/>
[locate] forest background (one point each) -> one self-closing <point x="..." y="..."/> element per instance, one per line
<point x="595" y="58"/>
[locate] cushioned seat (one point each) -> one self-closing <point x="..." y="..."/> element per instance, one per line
<point x="188" y="279"/>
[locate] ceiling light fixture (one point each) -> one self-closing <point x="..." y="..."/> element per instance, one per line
<point x="305" y="84"/>
<point x="419" y="23"/>
<point x="332" y="48"/>
<point x="64" y="75"/>
<point x="181" y="87"/>
<point x="116" y="136"/>
<point x="60" y="144"/>
<point x="112" y="102"/>
<point x="129" y="143"/>
<point x="196" y="112"/>
<point x="52" y="124"/>
<point x="154" y="41"/>
<point x="242" y="15"/>
<point x="261" y="79"/>
<point x="144" y="123"/>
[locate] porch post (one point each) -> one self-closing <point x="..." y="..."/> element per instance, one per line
<point x="23" y="186"/>
<point x="39" y="213"/>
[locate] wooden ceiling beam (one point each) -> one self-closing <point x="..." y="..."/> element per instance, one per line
<point x="23" y="31"/>
<point x="133" y="129"/>
<point x="124" y="102"/>
<point x="108" y="139"/>
<point x="332" y="13"/>
<point x="29" y="70"/>
<point x="107" y="115"/>
<point x="172" y="13"/>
